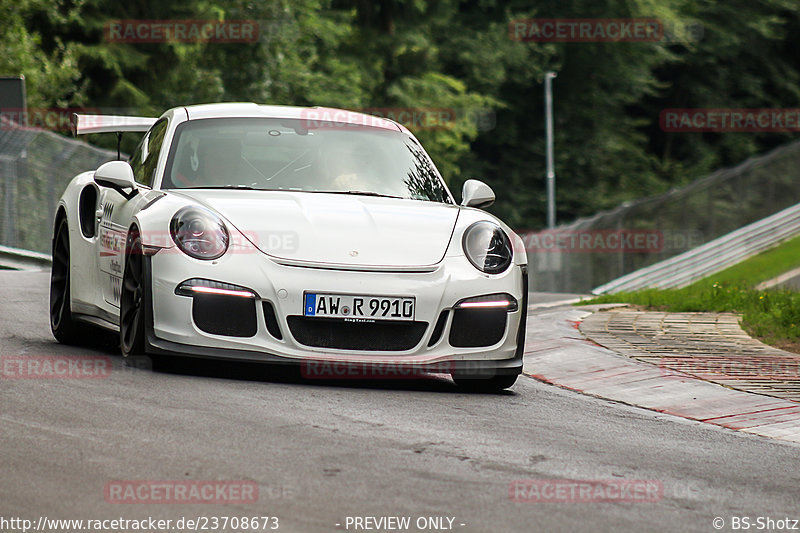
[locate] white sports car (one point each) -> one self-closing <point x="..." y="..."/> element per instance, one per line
<point x="311" y="236"/>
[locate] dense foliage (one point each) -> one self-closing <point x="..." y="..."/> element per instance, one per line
<point x="446" y="55"/>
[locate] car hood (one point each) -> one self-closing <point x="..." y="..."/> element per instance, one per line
<point x="337" y="228"/>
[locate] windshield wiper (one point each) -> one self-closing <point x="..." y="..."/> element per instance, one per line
<point x="364" y="193"/>
<point x="242" y="187"/>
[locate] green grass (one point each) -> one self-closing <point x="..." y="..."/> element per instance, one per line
<point x="761" y="267"/>
<point x="772" y="316"/>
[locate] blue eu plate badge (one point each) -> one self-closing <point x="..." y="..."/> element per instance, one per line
<point x="311" y="304"/>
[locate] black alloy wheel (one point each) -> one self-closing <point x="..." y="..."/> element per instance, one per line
<point x="132" y="302"/>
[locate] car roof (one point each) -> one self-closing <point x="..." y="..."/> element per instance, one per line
<point x="312" y="114"/>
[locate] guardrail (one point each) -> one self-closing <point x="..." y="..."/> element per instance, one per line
<point x="711" y="257"/>
<point x="687" y="217"/>
<point x="17" y="259"/>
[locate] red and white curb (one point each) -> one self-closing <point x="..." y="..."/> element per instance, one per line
<point x="557" y="353"/>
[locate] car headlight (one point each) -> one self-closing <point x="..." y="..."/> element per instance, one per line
<point x="199" y="233"/>
<point x="487" y="247"/>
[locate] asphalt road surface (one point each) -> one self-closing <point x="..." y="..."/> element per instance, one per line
<point x="321" y="452"/>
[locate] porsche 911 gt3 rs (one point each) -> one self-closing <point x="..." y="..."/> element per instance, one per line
<point x="288" y="235"/>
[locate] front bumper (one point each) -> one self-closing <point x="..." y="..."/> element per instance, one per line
<point x="173" y="326"/>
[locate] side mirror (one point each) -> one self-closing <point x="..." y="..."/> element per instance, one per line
<point x="118" y="175"/>
<point x="476" y="194"/>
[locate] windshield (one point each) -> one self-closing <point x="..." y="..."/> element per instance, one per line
<point x="286" y="154"/>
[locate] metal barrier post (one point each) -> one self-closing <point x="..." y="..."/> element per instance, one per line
<point x="8" y="172"/>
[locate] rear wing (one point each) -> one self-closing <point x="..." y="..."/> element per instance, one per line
<point x="85" y="124"/>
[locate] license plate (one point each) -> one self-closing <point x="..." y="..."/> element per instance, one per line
<point x="358" y="307"/>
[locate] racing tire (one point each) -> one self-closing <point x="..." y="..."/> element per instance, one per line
<point x="65" y="329"/>
<point x="132" y="301"/>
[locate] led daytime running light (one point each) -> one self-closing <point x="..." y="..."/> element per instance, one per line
<point x="223" y="292"/>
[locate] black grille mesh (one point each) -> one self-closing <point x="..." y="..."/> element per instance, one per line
<point x="342" y="335"/>
<point x="472" y="328"/>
